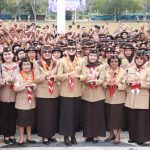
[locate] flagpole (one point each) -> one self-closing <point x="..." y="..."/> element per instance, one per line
<point x="61" y="14"/>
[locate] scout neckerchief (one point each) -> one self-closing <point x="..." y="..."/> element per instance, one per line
<point x="114" y="77"/>
<point x="135" y="88"/>
<point x="124" y="62"/>
<point x="50" y="82"/>
<point x="72" y="67"/>
<point x="10" y="72"/>
<point x="92" y="75"/>
<point x="27" y="78"/>
<point x="102" y="59"/>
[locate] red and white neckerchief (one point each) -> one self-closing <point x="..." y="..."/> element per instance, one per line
<point x="51" y="86"/>
<point x="10" y="72"/>
<point x="92" y="75"/>
<point x="50" y="82"/>
<point x="136" y="88"/>
<point x="72" y="67"/>
<point x="29" y="89"/>
<point x="112" y="88"/>
<point x="71" y="83"/>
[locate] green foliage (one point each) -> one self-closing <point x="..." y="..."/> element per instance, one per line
<point x="120" y="6"/>
<point x="102" y="6"/>
<point x="23" y="6"/>
<point x="3" y="5"/>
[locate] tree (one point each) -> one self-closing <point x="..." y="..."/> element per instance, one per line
<point x="3" y="5"/>
<point x="120" y="6"/>
<point x="146" y="5"/>
<point x="32" y="7"/>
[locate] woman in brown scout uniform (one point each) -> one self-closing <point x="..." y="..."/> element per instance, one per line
<point x="115" y="98"/>
<point x="47" y="95"/>
<point x="8" y="114"/>
<point x="109" y="51"/>
<point x="25" y="100"/>
<point x="32" y="53"/>
<point x="57" y="53"/>
<point x="137" y="101"/>
<point x="20" y="54"/>
<point x="93" y="99"/>
<point x="86" y="46"/>
<point x="70" y="92"/>
<point x="102" y="57"/>
<point x="128" y="60"/>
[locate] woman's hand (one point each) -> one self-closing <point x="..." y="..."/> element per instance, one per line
<point x="28" y="83"/>
<point x="50" y="77"/>
<point x="2" y="82"/>
<point x="48" y="74"/>
<point x="9" y="80"/>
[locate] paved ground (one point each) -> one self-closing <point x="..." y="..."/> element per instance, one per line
<point x="81" y="144"/>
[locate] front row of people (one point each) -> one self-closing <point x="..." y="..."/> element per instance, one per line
<point x="71" y="92"/>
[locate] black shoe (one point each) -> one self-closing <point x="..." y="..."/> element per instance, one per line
<point x="31" y="141"/>
<point x="124" y="130"/>
<point x="46" y="142"/>
<point x="94" y="140"/>
<point x="20" y="144"/>
<point x="52" y="139"/>
<point x="140" y="143"/>
<point x="116" y="142"/>
<point x="7" y="141"/>
<point x="67" y="141"/>
<point x="73" y="140"/>
<point x="130" y="141"/>
<point x="12" y="140"/>
<point x="110" y="139"/>
<point x="89" y="139"/>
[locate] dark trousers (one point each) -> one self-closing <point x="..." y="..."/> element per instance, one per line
<point x="8" y="119"/>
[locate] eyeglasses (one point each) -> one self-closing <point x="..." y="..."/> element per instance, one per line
<point x="141" y="58"/>
<point x="48" y="52"/>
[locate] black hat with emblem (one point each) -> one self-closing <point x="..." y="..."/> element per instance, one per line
<point x="140" y="52"/>
<point x="19" y="50"/>
<point x="88" y="44"/>
<point x="31" y="48"/>
<point x="128" y="46"/>
<point x="110" y="49"/>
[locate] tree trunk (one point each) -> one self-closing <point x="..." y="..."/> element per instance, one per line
<point x="33" y="6"/>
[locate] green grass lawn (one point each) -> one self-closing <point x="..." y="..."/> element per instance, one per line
<point x="112" y="25"/>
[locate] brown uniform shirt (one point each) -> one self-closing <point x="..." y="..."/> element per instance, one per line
<point x="93" y="93"/>
<point x="120" y="94"/>
<point x="7" y="92"/>
<point x="63" y="69"/>
<point x="141" y="100"/>
<point x="22" y="95"/>
<point x="42" y="82"/>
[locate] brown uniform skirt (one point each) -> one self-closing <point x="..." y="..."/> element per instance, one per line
<point x="138" y="125"/>
<point x="94" y="119"/>
<point x="47" y="116"/>
<point x="70" y="115"/>
<point x="115" y="116"/>
<point x="26" y="117"/>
